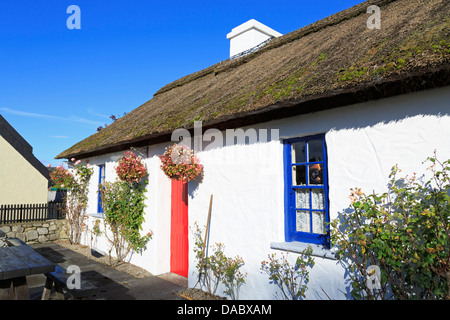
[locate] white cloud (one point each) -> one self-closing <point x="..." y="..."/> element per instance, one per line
<point x="76" y="119"/>
<point x="92" y="112"/>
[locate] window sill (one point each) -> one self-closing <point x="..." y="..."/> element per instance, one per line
<point x="298" y="247"/>
<point x="97" y="215"/>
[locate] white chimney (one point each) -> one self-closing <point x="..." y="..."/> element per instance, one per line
<point x="249" y="35"/>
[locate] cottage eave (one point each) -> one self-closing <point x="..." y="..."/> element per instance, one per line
<point x="402" y="84"/>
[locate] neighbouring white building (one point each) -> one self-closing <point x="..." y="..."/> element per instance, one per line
<point x="315" y="112"/>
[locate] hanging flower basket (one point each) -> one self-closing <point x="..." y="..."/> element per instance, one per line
<point x="130" y="168"/>
<point x="180" y="163"/>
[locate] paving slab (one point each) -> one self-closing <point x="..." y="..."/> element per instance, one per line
<point x="111" y="283"/>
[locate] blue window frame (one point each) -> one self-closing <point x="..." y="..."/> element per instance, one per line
<point x="306" y="190"/>
<point x="101" y="181"/>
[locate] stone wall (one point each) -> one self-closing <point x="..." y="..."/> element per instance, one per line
<point x="36" y="232"/>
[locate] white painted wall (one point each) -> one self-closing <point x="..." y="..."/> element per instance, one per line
<point x="363" y="142"/>
<point x="156" y="257"/>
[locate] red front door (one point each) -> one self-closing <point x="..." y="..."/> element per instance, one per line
<point x="179" y="246"/>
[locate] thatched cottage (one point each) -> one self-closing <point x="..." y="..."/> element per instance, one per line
<point x="311" y="114"/>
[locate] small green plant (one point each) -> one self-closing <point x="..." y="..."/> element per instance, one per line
<point x="227" y="270"/>
<point x="96" y="231"/>
<point x="404" y="233"/>
<point x="292" y="280"/>
<point x="218" y="268"/>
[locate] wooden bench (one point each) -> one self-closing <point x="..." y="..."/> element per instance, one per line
<point x="59" y="279"/>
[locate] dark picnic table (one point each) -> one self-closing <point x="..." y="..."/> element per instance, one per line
<point x="16" y="262"/>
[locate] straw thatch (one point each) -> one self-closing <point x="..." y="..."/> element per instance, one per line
<point x="334" y="62"/>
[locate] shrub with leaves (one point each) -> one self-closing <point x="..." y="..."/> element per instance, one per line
<point x="292" y="280"/>
<point x="61" y="178"/>
<point x="404" y="233"/>
<point x="123" y="207"/>
<point x="218" y="268"/>
<point x="75" y="201"/>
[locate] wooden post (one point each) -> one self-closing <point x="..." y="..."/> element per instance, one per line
<point x="47" y="289"/>
<point x="20" y="288"/>
<point x="6" y="290"/>
<point x="206" y="234"/>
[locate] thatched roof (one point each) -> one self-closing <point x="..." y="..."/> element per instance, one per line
<point x="331" y="63"/>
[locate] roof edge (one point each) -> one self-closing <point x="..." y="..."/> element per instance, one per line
<point x="21" y="146"/>
<point x="404" y="83"/>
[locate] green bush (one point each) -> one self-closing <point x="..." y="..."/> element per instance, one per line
<point x="292" y="280"/>
<point x="400" y="238"/>
<point x="217" y="268"/>
<point x="123" y="207"/>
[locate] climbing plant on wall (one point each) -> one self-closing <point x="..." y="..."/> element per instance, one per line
<point x="123" y="207"/>
<point x="75" y="202"/>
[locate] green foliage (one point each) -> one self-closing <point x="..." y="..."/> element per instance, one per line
<point x="405" y="232"/>
<point x="61" y="178"/>
<point x="123" y="206"/>
<point x="218" y="268"/>
<point x="292" y="280"/>
<point x="75" y="201"/>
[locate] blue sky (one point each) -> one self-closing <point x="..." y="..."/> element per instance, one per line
<point x="58" y="85"/>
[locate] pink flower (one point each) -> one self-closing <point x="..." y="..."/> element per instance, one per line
<point x="180" y="163"/>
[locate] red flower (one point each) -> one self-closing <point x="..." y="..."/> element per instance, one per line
<point x="180" y="163"/>
<point x="130" y="168"/>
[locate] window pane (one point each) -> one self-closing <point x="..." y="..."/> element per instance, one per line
<point x="299" y="175"/>
<point x="315" y="151"/>
<point x="317" y="199"/>
<point x="298" y="152"/>
<point x="302" y="198"/>
<point x="319" y="222"/>
<point x="303" y="221"/>
<point x="316" y="174"/>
